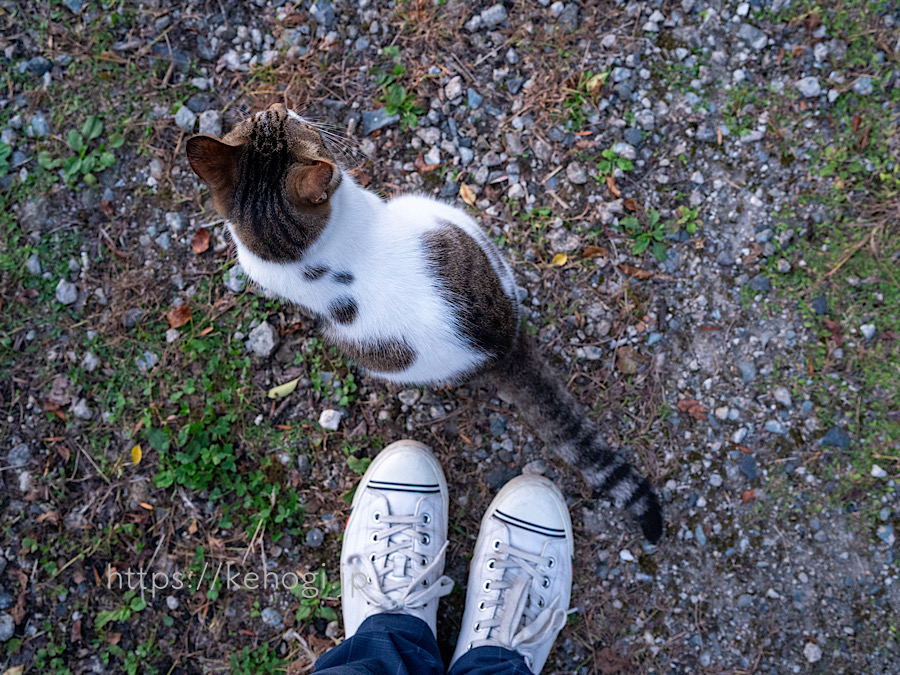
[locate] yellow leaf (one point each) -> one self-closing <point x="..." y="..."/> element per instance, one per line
<point x="136" y="455"/>
<point x="283" y="390"/>
<point x="596" y="82"/>
<point x="15" y="670"/>
<point x="559" y="260"/>
<point x="467" y="194"/>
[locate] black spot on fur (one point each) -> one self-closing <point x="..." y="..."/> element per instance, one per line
<point x="343" y="310"/>
<point x="343" y="277"/>
<point x="467" y="280"/>
<point x="315" y="273"/>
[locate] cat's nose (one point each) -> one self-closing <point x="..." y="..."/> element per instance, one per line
<point x="278" y="108"/>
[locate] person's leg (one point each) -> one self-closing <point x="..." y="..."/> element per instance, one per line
<point x="392" y="564"/>
<point x="395" y="644"/>
<point x="520" y="582"/>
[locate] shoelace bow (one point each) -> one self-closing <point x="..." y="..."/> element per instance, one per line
<point x="518" y="621"/>
<point x="392" y="589"/>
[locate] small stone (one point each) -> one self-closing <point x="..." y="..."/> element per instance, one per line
<point x="760" y="283"/>
<point x="812" y="652"/>
<point x="323" y="12"/>
<point x="493" y="15"/>
<point x="721" y="412"/>
<point x="863" y="86"/>
<point x="782" y="396"/>
<point x="132" y="317"/>
<point x="748" y="370"/>
<point x="568" y="18"/>
<point x="752" y="35"/>
<point x="263" y="340"/>
<point x="210" y="123"/>
<point x="820" y="305"/>
<point x="620" y="74"/>
<point x="625" y="150"/>
<point x="634" y="136"/>
<point x="474" y="99"/>
<point x="878" y="472"/>
<point x="90" y="362"/>
<point x="303" y="465"/>
<point x="498" y="425"/>
<point x="66" y="292"/>
<point x="185" y="119"/>
<point x="175" y="221"/>
<point x="535" y="467"/>
<point x="33" y="264"/>
<point x="81" y="410"/>
<point x="39" y="126"/>
<point x="172" y="602"/>
<point x="645" y="119"/>
<point x="868" y="330"/>
<point x="314" y="538"/>
<point x="747" y="466"/>
<point x="271" y="617"/>
<point x="809" y="87"/>
<point x="330" y="419"/>
<point x="700" y="535"/>
<point x="146" y="361"/>
<point x="7" y="627"/>
<point x="235" y="281"/>
<point x="39" y="65"/>
<point x="625" y="555"/>
<point x="775" y="427"/>
<point x="453" y="89"/>
<point x="576" y="173"/>
<point x="18" y="456"/>
<point x="697" y="178"/>
<point x="836" y="437"/>
<point x="715" y="480"/>
<point x="373" y="120"/>
<point x="744" y="600"/>
<point x="886" y="534"/>
<point x="333" y="630"/>
<point x="784" y="266"/>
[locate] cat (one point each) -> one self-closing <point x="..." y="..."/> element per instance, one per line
<point x="410" y="289"/>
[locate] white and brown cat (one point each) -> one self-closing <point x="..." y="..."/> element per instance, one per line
<point x="410" y="289"/>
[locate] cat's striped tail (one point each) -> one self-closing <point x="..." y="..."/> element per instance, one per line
<point x="554" y="414"/>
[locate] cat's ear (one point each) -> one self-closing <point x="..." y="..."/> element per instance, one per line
<point x="213" y="161"/>
<point x="308" y="185"/>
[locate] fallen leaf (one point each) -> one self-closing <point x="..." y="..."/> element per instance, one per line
<point x="200" y="242"/>
<point x="283" y="390"/>
<point x="52" y="407"/>
<point x="748" y="496"/>
<point x="145" y="505"/>
<point x="719" y="134"/>
<point x="636" y="272"/>
<point x="631" y="205"/>
<point x="362" y="177"/>
<point x="113" y="638"/>
<point x="559" y="260"/>
<point x="864" y="137"/>
<point x="76" y="630"/>
<point x="18" y="670"/>
<point x="192" y="528"/>
<point x="693" y="408"/>
<point x="178" y="316"/>
<point x="611" y="184"/>
<point x="49" y="516"/>
<point x="837" y="332"/>
<point x="421" y="166"/>
<point x="64" y="452"/>
<point x="594" y="252"/>
<point x="18" y="612"/>
<point x="856" y="122"/>
<point x="627" y="361"/>
<point x="467" y="194"/>
<point x="596" y="82"/>
<point x="136" y="454"/>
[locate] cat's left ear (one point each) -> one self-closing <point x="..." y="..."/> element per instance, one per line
<point x="214" y="162"/>
<point x="308" y="185"/>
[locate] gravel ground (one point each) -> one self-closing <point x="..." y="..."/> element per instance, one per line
<point x="700" y="202"/>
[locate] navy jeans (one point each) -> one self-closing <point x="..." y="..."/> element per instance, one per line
<point x="399" y="644"/>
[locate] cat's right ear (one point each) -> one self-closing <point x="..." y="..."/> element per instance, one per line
<point x="214" y="162"/>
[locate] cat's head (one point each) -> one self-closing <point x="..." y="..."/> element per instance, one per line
<point x="272" y="177"/>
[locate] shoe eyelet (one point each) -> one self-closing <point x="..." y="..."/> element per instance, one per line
<point x="426" y="518"/>
<point x="487" y="585"/>
<point x="376" y="516"/>
<point x="491" y="564"/>
<point x="551" y="563"/>
<point x="426" y="539"/>
<point x="425" y="582"/>
<point x="425" y="606"/>
<point x="477" y="628"/>
<point x="424" y="561"/>
<point x="546" y="582"/>
<point x="469" y="647"/>
<point x="540" y="602"/>
<point x="372" y="557"/>
<point x="495" y="544"/>
<point x="481" y="606"/>
<point x="374" y="536"/>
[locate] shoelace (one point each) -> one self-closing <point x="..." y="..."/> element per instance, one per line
<point x="393" y="588"/>
<point x="518" y="621"/>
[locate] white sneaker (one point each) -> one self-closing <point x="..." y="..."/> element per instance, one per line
<point x="396" y="536"/>
<point x="520" y="578"/>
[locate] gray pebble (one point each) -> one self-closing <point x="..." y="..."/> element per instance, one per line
<point x="748" y="370"/>
<point x="836" y="437"/>
<point x="185" y="119"/>
<point x="132" y="317"/>
<point x="775" y="427"/>
<point x="33" y="264"/>
<point x="211" y="123"/>
<point x="493" y="15"/>
<point x="271" y="617"/>
<point x="235" y="281"/>
<point x="700" y="535"/>
<point x="7" y="627"/>
<point x="809" y="87"/>
<point x="760" y="283"/>
<point x="373" y="120"/>
<point x="748" y="466"/>
<point x="263" y="340"/>
<point x="66" y="292"/>
<point x="18" y="456"/>
<point x="863" y="86"/>
<point x="782" y="396"/>
<point x="474" y="99"/>
<point x="820" y="305"/>
<point x="146" y="361"/>
<point x="886" y="533"/>
<point x="314" y="538"/>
